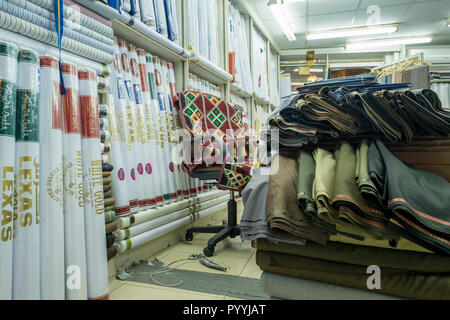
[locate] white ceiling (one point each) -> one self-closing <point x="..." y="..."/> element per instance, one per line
<point x="415" y="17"/>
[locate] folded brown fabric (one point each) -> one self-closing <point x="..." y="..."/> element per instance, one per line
<point x="110" y="239"/>
<point x="111" y="227"/>
<point x="106" y="174"/>
<point x="282" y="210"/>
<point x="413" y="285"/>
<point x="107" y="194"/>
<point x="107" y="180"/>
<point x="107" y="187"/>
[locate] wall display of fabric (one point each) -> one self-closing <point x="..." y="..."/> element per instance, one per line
<point x="260" y="78"/>
<point x="74" y="227"/>
<point x="171" y="20"/>
<point x="97" y="270"/>
<point x="133" y="149"/>
<point x="273" y="78"/>
<point x="161" y="17"/>
<point x="8" y="87"/>
<point x="51" y="182"/>
<point x="238" y="49"/>
<point x="26" y="249"/>
<point x="124" y="184"/>
<point x="152" y="166"/>
<point x="150" y="193"/>
<point x="203" y="30"/>
<point x="148" y="13"/>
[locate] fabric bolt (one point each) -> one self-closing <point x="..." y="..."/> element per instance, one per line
<point x="253" y="223"/>
<point x="112" y="252"/>
<point x="110" y="239"/>
<point x="413" y="285"/>
<point x="110" y="215"/>
<point x="107" y="167"/>
<point x="109" y="202"/>
<point x="282" y="210"/>
<point x="106" y="174"/>
<point x="107" y="195"/>
<point x="107" y="187"/>
<point x="366" y="186"/>
<point x="107" y="180"/>
<point x="111" y="227"/>
<point x="417" y="199"/>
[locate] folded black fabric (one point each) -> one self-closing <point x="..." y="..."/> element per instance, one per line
<point x="107" y="167"/>
<point x="418" y="200"/>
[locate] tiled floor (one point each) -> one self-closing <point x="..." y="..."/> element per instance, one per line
<point x="238" y="256"/>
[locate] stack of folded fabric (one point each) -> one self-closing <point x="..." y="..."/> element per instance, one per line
<point x="350" y="107"/>
<point x="83" y="35"/>
<point x="328" y="214"/>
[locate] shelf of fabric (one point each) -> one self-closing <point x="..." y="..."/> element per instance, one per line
<point x="131" y="29"/>
<point x="205" y="69"/>
<point x="239" y="91"/>
<point x="45" y="49"/>
<point x="260" y="100"/>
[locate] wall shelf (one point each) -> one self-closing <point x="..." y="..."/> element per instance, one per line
<point x="205" y="69"/>
<point x="239" y="92"/>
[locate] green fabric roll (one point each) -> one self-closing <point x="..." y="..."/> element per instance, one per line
<point x="110" y="208"/>
<point x="110" y="215"/>
<point x="395" y="282"/>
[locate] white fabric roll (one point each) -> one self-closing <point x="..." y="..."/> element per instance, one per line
<point x="148" y="13"/>
<point x="26" y="272"/>
<point x="8" y="86"/>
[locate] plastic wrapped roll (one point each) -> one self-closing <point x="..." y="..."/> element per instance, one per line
<point x="145" y="237"/>
<point x="97" y="270"/>
<point x="107" y="167"/>
<point x="105" y="158"/>
<point x="26" y="275"/>
<point x="148" y="13"/>
<point x="107" y="194"/>
<point x="104" y="124"/>
<point x="130" y="149"/>
<point x="103" y="110"/>
<point x="161" y="13"/>
<point x="109" y="216"/>
<point x="105" y="136"/>
<point x="158" y="134"/>
<point x="109" y="202"/>
<point x="74" y="232"/>
<point x="8" y="86"/>
<point x="144" y="146"/>
<point x="118" y="142"/>
<point x="51" y="183"/>
<point x="164" y="125"/>
<point x="152" y="224"/>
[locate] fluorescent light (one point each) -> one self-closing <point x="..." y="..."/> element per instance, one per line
<point x="278" y="13"/>
<point x="387" y="42"/>
<point x="448" y="22"/>
<point x="351" y="32"/>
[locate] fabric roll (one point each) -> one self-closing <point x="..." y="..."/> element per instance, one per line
<point x="422" y="211"/>
<point x="148" y="13"/>
<point x="110" y="215"/>
<point x="366" y="186"/>
<point x="107" y="187"/>
<point x="106" y="174"/>
<point x="8" y="92"/>
<point x="107" y="180"/>
<point x="109" y="202"/>
<point x="111" y="227"/>
<point x="152" y="166"/>
<point x="97" y="270"/>
<point x="105" y="136"/>
<point x="110" y="208"/>
<point x="52" y="271"/>
<point x="282" y="210"/>
<point x="107" y="167"/>
<point x="26" y="275"/>
<point x="112" y="252"/>
<point x="110" y="239"/>
<point x="103" y="110"/>
<point x="106" y="148"/>
<point x="107" y="194"/>
<point x="74" y="228"/>
<point x="104" y="125"/>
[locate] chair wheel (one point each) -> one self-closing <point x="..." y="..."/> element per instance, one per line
<point x="208" y="251"/>
<point x="234" y="233"/>
<point x="189" y="236"/>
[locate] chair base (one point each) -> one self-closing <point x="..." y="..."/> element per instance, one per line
<point x="222" y="232"/>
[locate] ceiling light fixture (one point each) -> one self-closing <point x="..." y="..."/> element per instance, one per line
<point x="351" y="32"/>
<point x="448" y="22"/>
<point x="387" y="42"/>
<point x="278" y="13"/>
